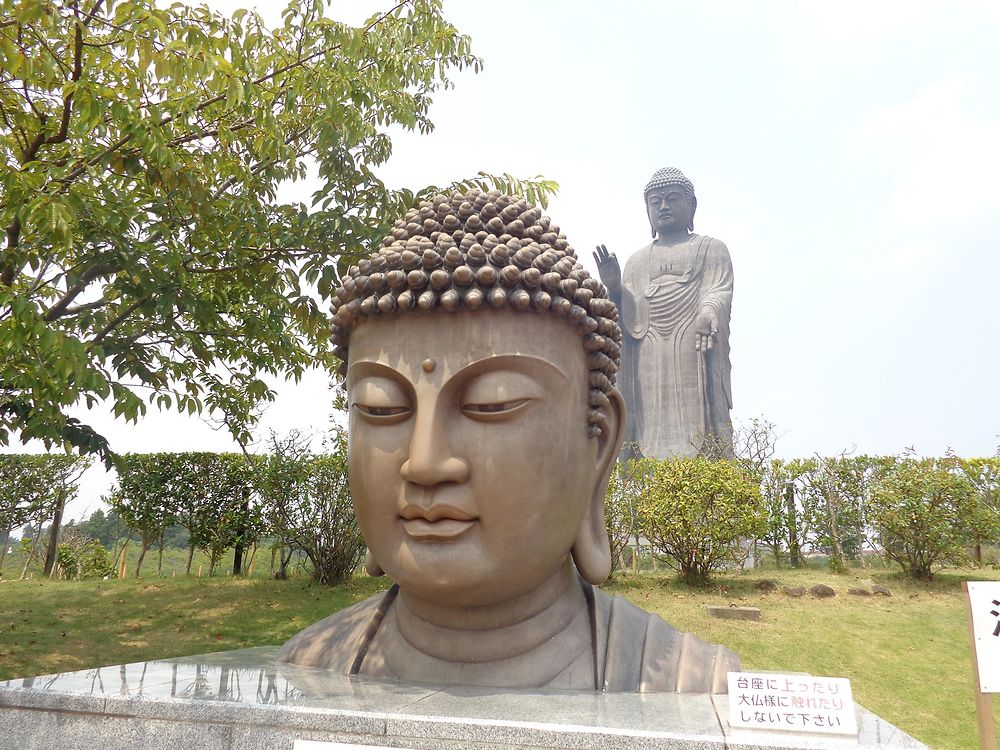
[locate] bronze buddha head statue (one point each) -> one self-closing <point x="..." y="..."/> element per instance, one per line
<point x="480" y="360"/>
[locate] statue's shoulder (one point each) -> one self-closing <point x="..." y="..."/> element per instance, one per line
<point x="334" y="642"/>
<point x="637" y="266"/>
<point x="712" y="245"/>
<point x="644" y="653"/>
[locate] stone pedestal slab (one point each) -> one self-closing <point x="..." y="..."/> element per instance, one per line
<point x="242" y="700"/>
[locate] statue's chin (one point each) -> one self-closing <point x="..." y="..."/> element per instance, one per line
<point x="450" y="586"/>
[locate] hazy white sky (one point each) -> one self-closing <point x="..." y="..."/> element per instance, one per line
<point x="846" y="152"/>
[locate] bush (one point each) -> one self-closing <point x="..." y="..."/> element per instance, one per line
<point x="95" y="560"/>
<point x="696" y="513"/>
<point x="66" y="558"/>
<point x="308" y="502"/>
<point x="927" y="514"/>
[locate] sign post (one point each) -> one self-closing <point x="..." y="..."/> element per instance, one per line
<point x="983" y="601"/>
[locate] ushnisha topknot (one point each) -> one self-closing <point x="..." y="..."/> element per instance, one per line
<point x="476" y="250"/>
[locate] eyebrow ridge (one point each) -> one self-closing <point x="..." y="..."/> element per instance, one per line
<point x="486" y="363"/>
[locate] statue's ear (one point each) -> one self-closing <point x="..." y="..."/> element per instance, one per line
<point x="591" y="548"/>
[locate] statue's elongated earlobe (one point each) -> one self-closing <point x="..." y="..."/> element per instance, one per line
<point x="592" y="548"/>
<point x="372" y="567"/>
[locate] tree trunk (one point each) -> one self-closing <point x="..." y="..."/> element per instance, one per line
<point x="30" y="556"/>
<point x="50" y="553"/>
<point x="794" y="554"/>
<point x="839" y="565"/>
<point x="238" y="558"/>
<point x="142" y="553"/>
<point x="3" y="549"/>
<point x="253" y="555"/>
<point x="159" y="563"/>
<point x="190" y="558"/>
<point x="120" y="561"/>
<point x="118" y="529"/>
<point x="240" y="542"/>
<point x="282" y="573"/>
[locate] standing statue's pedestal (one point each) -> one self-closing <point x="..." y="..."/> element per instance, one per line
<point x="242" y="700"/>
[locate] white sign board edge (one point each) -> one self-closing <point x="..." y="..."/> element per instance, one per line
<point x="984" y="599"/>
<point x="321" y="745"/>
<point x="800" y="703"/>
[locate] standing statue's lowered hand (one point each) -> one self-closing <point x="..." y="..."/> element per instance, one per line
<point x="706" y="330"/>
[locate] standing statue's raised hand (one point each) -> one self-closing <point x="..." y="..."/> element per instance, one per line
<point x="610" y="271"/>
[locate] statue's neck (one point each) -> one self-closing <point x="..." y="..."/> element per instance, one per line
<point x="670" y="239"/>
<point x="531" y="639"/>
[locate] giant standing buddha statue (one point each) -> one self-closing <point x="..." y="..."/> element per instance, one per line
<point x="676" y="297"/>
<point x="480" y="361"/>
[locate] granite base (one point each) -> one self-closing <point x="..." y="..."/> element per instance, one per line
<point x="243" y="700"/>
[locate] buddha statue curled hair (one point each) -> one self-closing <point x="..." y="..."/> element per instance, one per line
<point x="483" y="250"/>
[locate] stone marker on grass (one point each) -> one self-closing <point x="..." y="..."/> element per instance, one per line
<point x="822" y="591"/>
<point x="734" y="613"/>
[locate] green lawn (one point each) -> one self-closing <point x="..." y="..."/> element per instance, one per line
<point x="907" y="655"/>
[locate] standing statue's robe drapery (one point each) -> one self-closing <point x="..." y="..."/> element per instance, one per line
<point x="676" y="395"/>
<point x="632" y="651"/>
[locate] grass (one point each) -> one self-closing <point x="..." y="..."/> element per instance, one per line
<point x="907" y="655"/>
<point x="56" y="626"/>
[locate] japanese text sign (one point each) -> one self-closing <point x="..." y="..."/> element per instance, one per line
<point x="984" y="598"/>
<point x="791" y="702"/>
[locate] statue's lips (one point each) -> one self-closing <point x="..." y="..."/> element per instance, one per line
<point x="437" y="523"/>
<point x="446" y="528"/>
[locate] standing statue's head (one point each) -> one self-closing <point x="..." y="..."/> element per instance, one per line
<point x="670" y="202"/>
<point x="480" y="360"/>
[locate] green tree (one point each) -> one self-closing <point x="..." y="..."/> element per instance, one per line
<point x="696" y="512"/>
<point x="35" y="488"/>
<point x="926" y="513"/>
<point x="146" y="496"/>
<point x="146" y="258"/>
<point x="218" y="507"/>
<point x="775" y="486"/>
<point x="984" y="473"/>
<point x="309" y="506"/>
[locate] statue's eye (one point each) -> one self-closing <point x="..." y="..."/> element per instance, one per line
<point x="493" y="410"/>
<point x="382" y="414"/>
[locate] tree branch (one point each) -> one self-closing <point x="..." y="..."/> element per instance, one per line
<point x="58" y="309"/>
<point x="117" y="321"/>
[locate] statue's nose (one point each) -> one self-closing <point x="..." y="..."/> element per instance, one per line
<point x="431" y="460"/>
